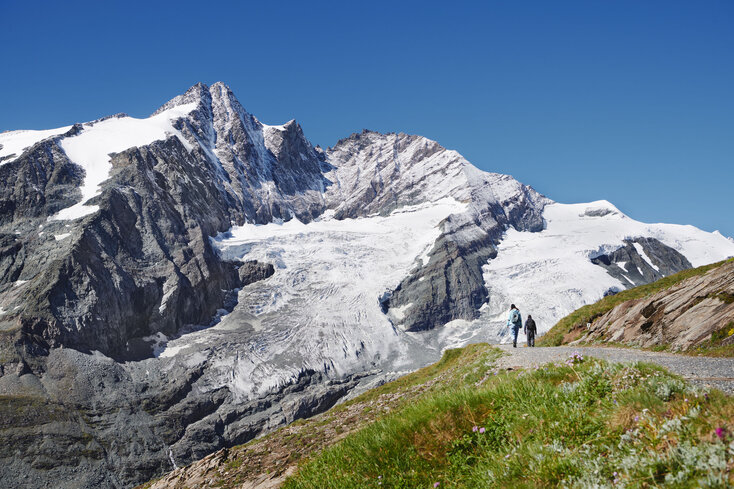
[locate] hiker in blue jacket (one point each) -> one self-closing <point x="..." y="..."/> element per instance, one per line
<point x="514" y="321"/>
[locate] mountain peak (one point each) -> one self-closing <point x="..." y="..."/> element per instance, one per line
<point x="218" y="93"/>
<point x="196" y="93"/>
<point x="220" y="87"/>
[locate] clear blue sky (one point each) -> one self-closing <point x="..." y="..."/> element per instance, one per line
<point x="629" y="101"/>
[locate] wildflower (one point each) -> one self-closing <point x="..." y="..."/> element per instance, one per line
<point x="482" y="430"/>
<point x="507" y="456"/>
<point x="436" y="484"/>
<point x="637" y="418"/>
<point x="685" y="400"/>
<point x="475" y="429"/>
<point x="720" y="432"/>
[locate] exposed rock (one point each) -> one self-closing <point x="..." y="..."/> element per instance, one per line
<point x="682" y="317"/>
<point x="253" y="271"/>
<point x="630" y="266"/>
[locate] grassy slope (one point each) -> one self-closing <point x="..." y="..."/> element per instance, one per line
<point x="582" y="424"/>
<point x="586" y="314"/>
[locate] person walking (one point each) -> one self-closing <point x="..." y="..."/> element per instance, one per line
<point x="514" y="321"/>
<point x="530" y="330"/>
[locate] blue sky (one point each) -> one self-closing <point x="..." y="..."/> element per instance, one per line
<point x="629" y="101"/>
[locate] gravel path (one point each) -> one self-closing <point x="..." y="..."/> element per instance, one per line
<point x="714" y="372"/>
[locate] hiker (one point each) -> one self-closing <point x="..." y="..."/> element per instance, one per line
<point x="514" y="321"/>
<point x="530" y="330"/>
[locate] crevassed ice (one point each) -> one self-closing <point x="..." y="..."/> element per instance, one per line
<point x="321" y="306"/>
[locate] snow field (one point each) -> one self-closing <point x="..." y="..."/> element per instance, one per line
<point x="15" y="142"/>
<point x="550" y="274"/>
<point x="91" y="149"/>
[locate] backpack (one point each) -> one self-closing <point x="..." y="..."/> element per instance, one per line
<point x="515" y="317"/>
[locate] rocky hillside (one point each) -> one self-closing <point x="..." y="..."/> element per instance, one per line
<point x="185" y="282"/>
<point x="691" y="311"/>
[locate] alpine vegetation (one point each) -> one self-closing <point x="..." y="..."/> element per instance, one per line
<point x="579" y="423"/>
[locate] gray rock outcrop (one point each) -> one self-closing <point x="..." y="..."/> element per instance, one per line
<point x="642" y="260"/>
<point x="689" y="314"/>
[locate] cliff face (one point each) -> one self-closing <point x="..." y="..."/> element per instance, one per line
<point x="698" y="311"/>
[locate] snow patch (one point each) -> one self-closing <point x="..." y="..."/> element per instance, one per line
<point x="641" y="252"/>
<point x="398" y="313"/>
<point x="61" y="236"/>
<point x="91" y="149"/>
<point x="159" y="341"/>
<point x="167" y="293"/>
<point x="171" y="351"/>
<point x="16" y="142"/>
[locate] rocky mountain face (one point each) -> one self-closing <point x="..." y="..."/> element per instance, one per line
<point x="177" y="284"/>
<point x="685" y="316"/>
<point x="406" y="170"/>
<point x="641" y="261"/>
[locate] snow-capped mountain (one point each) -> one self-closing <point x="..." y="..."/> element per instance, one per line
<point x="218" y="276"/>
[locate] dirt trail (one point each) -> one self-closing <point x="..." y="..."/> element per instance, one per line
<point x="714" y="372"/>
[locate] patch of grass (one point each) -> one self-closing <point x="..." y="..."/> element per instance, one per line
<point x="723" y="333"/>
<point x="587" y="314"/>
<point x="719" y="345"/>
<point x="586" y="423"/>
<point x="457" y="366"/>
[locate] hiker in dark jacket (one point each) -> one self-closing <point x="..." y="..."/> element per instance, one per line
<point x="514" y="321"/>
<point x="530" y="330"/>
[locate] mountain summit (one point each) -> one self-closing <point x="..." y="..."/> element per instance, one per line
<point x="185" y="282"/>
